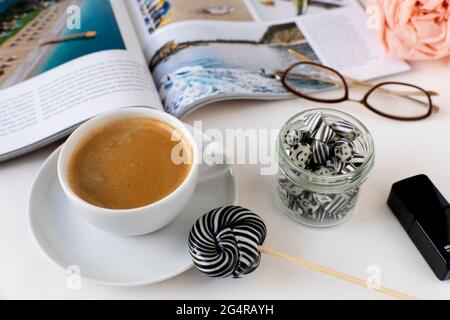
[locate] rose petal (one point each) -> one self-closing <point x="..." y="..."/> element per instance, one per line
<point x="431" y="4"/>
<point x="428" y="31"/>
<point x="405" y="11"/>
<point x="415" y="30"/>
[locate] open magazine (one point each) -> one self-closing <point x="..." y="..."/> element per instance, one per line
<point x="65" y="61"/>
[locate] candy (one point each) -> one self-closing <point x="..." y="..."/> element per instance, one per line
<point x="300" y="126"/>
<point x="290" y="200"/>
<point x="321" y="214"/>
<point x="326" y="147"/>
<point x="313" y="121"/>
<point x="293" y="137"/>
<point x="283" y="181"/>
<point x="283" y="195"/>
<point x="322" y="199"/>
<point x="344" y="129"/>
<point x="324" y="171"/>
<point x="343" y="150"/>
<point x="295" y="206"/>
<point x="334" y="139"/>
<point x="313" y="143"/>
<point x="348" y="169"/>
<point x="294" y="190"/>
<point x="320" y="152"/>
<point x="309" y="205"/>
<point x="301" y="155"/>
<point x="225" y="241"/>
<point x="336" y="204"/>
<point x="357" y="159"/>
<point x="353" y="197"/>
<point x="315" y="207"/>
<point x="228" y="242"/>
<point x="336" y="165"/>
<point x="323" y="134"/>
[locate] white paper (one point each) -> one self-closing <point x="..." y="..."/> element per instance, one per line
<point x="342" y="40"/>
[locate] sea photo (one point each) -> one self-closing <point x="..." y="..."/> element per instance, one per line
<point x="35" y="37"/>
<point x="197" y="62"/>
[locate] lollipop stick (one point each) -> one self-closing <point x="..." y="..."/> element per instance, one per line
<point x="334" y="273"/>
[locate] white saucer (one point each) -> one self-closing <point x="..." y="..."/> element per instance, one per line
<point x="108" y="259"/>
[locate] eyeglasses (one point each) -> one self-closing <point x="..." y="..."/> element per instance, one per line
<point x="394" y="100"/>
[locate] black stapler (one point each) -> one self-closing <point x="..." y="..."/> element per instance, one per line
<point x="425" y="215"/>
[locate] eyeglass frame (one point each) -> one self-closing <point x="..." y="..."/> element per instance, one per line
<point x="364" y="101"/>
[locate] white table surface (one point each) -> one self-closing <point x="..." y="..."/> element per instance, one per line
<point x="372" y="237"/>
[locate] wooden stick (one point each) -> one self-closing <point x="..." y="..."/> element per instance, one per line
<point x="334" y="273"/>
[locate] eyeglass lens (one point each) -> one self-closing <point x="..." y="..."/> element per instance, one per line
<point x="399" y="100"/>
<point x="307" y="79"/>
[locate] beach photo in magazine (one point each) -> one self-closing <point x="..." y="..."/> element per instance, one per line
<point x="35" y="38"/>
<point x="159" y="13"/>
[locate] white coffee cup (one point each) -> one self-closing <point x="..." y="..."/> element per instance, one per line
<point x="154" y="216"/>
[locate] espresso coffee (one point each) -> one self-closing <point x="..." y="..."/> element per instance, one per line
<point x="128" y="163"/>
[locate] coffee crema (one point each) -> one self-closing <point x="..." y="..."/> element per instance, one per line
<point x="128" y="163"/>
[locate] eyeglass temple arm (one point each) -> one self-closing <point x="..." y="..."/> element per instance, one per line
<point x="365" y="84"/>
<point x="434" y="108"/>
<point x="337" y="83"/>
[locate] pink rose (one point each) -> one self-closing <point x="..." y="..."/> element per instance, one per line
<point x="415" y="29"/>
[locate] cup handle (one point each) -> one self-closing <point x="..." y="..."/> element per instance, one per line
<point x="215" y="161"/>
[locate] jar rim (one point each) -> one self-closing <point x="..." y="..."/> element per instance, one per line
<point x="337" y="180"/>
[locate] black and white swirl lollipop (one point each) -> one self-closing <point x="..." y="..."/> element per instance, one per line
<point x="228" y="242"/>
<point x="225" y="242"/>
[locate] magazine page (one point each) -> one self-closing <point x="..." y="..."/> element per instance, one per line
<point x="197" y="62"/>
<point x="62" y="62"/>
<point x="290" y="9"/>
<point x="151" y="15"/>
<point x="346" y="44"/>
<point x="194" y="62"/>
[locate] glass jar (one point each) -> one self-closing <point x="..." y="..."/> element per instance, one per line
<point x="322" y="200"/>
